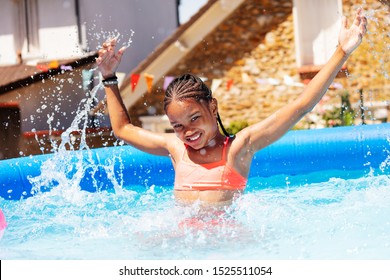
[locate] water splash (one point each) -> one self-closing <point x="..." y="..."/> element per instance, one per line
<point x="72" y="159"/>
<point x="336" y="219"/>
<point x="102" y="35"/>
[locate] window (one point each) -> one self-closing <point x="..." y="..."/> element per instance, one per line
<point x="316" y="25"/>
<point x="26" y="21"/>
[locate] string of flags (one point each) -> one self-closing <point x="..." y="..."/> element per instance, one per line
<point x="149" y="81"/>
<point x="216" y="83"/>
<point x="53" y="65"/>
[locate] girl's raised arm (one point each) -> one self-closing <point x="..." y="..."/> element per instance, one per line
<point x="155" y="143"/>
<point x="271" y="129"/>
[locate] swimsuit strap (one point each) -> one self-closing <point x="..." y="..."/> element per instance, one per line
<point x="184" y="151"/>
<point x="225" y="143"/>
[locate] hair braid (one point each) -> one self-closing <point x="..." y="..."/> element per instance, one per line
<point x="190" y="86"/>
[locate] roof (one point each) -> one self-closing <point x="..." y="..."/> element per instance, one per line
<point x="179" y="44"/>
<point x="171" y="39"/>
<point x="20" y="75"/>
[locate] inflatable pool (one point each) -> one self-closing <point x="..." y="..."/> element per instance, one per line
<point x="318" y="194"/>
<point x="298" y="152"/>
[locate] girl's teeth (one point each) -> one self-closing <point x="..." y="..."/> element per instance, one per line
<point x="194" y="138"/>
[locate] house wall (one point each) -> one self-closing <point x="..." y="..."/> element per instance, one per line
<point x="152" y="21"/>
<point x="52" y="104"/>
<point x="58" y="34"/>
<point x="59" y="39"/>
<point x="255" y="48"/>
<point x="7" y="47"/>
<point x="45" y="110"/>
<point x="56" y="98"/>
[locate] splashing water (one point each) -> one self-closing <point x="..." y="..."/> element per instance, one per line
<point x="336" y="219"/>
<point x="339" y="218"/>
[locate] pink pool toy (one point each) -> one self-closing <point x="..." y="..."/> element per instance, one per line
<point x="3" y="224"/>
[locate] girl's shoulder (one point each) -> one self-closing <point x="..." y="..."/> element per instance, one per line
<point x="174" y="145"/>
<point x="240" y="146"/>
<point x="239" y="154"/>
<point x="240" y="141"/>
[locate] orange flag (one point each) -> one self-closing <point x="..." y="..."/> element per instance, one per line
<point x="53" y="64"/>
<point x="229" y="84"/>
<point x="134" y="81"/>
<point x="149" y="81"/>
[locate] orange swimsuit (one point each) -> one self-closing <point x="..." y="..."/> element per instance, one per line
<point x="208" y="176"/>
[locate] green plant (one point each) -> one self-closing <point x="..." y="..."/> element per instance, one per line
<point x="236" y="126"/>
<point x="340" y="116"/>
<point x="347" y="113"/>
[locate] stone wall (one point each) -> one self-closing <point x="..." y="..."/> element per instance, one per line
<point x="255" y="49"/>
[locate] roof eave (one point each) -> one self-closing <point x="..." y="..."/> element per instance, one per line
<point x="177" y="46"/>
<point x="39" y="76"/>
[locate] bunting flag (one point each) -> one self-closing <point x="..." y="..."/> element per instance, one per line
<point x="66" y="67"/>
<point x="215" y="84"/>
<point x="167" y="81"/>
<point x="229" y="84"/>
<point x="53" y="64"/>
<point x="134" y="81"/>
<point x="149" y="81"/>
<point x="42" y="67"/>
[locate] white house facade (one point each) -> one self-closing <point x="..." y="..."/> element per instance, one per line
<point x="48" y="47"/>
<point x="62" y="29"/>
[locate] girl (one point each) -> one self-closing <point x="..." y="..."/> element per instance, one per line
<point x="211" y="167"/>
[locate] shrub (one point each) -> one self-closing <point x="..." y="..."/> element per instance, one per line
<point x="340" y="116"/>
<point x="236" y="126"/>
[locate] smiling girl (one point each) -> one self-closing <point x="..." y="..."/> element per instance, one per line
<point x="212" y="167"/>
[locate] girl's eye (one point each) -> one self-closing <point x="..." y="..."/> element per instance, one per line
<point x="177" y="126"/>
<point x="194" y="118"/>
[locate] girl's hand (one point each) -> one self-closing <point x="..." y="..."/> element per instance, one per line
<point x="350" y="39"/>
<point x="108" y="61"/>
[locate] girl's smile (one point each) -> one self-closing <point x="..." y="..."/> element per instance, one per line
<point x="193" y="122"/>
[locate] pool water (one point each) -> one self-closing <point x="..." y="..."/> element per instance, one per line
<point x="323" y="215"/>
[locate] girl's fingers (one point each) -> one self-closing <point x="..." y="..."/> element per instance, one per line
<point x="107" y="52"/>
<point x="109" y="42"/>
<point x="121" y="50"/>
<point x="359" y="17"/>
<point x="363" y="28"/>
<point x="357" y="20"/>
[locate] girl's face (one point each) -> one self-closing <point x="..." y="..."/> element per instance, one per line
<point x="193" y="122"/>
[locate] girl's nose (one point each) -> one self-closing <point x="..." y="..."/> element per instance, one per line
<point x="188" y="131"/>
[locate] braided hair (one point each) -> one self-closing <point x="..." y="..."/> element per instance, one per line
<point x="190" y="86"/>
